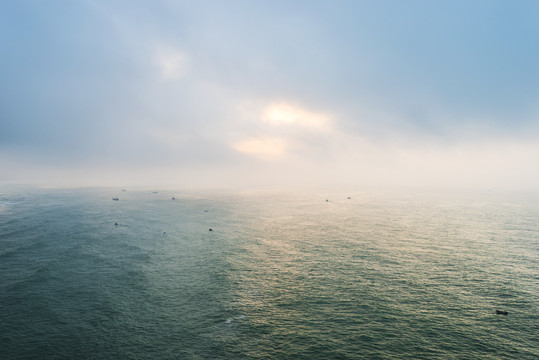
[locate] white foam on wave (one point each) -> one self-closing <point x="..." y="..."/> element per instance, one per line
<point x="7" y="203"/>
<point x="230" y="320"/>
<point x="4" y="205"/>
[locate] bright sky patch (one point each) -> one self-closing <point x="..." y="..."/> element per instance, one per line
<point x="286" y="114"/>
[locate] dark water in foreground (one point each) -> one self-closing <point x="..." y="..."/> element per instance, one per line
<point x="279" y="277"/>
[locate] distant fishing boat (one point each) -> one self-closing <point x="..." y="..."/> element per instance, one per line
<point x="115" y="199"/>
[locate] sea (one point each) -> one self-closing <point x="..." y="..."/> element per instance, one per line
<point x="171" y="274"/>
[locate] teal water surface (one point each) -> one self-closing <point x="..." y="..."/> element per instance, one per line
<point x="280" y="276"/>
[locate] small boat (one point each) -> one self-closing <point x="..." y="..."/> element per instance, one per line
<point x="115" y="199"/>
<point x="501" y="312"/>
<point x="173" y="198"/>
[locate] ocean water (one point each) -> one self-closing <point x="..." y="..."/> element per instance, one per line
<point x="280" y="276"/>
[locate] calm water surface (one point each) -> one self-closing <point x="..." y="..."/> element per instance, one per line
<point x="281" y="276"/>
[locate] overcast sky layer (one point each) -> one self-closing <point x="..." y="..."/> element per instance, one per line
<point x="270" y="93"/>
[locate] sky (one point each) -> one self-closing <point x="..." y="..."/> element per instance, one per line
<point x="248" y="94"/>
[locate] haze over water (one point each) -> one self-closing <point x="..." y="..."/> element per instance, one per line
<point x="281" y="275"/>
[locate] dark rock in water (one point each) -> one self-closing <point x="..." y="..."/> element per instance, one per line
<point x="210" y="229"/>
<point x="115" y="223"/>
<point x="501" y="312"/>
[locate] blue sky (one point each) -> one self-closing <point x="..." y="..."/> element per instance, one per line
<point x="270" y="93"/>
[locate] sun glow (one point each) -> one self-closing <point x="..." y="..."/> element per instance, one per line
<point x="286" y="114"/>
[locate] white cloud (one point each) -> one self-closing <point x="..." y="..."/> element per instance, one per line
<point x="173" y="64"/>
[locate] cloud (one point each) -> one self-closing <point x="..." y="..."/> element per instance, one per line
<point x="173" y="64"/>
<point x="363" y="93"/>
<point x="286" y="114"/>
<point x="169" y="137"/>
<point x="265" y="148"/>
<point x="278" y="130"/>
